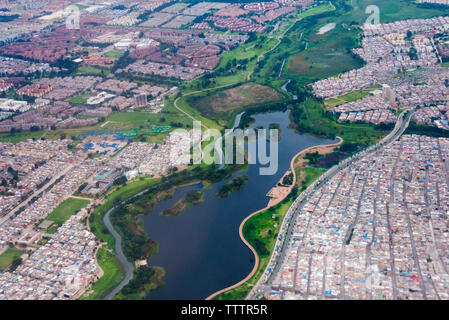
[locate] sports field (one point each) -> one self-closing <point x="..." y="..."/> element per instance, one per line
<point x="66" y="209"/>
<point x="7" y="257"/>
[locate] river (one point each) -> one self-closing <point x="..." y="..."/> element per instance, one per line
<point x="200" y="249"/>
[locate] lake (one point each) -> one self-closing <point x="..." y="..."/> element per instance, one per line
<point x="200" y="249"/>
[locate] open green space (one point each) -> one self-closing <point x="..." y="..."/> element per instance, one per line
<point x="237" y="98"/>
<point x="66" y="209"/>
<point x="80" y="98"/>
<point x="7" y="258"/>
<point x="326" y="54"/>
<point x="114" y="54"/>
<point x="310" y="175"/>
<point x="312" y="117"/>
<point x="392" y="10"/>
<point x="115" y="197"/>
<point x="113" y="270"/>
<point x="88" y="70"/>
<point x="113" y="275"/>
<point x="349" y="97"/>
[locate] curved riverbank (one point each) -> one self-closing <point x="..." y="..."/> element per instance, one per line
<point x="200" y="266"/>
<point x="256" y="256"/>
<point x="401" y="125"/>
<point x="178" y="180"/>
<point x="128" y="266"/>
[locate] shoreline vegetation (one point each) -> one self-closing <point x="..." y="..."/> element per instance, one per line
<point x="308" y="115"/>
<point x="235" y="184"/>
<point x="190" y="199"/>
<point x="126" y="219"/>
<point x="260" y="229"/>
<point x="145" y="280"/>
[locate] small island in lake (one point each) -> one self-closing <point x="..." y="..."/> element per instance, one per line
<point x="235" y="184"/>
<point x="191" y="198"/>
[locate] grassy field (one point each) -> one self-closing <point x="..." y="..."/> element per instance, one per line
<point x="327" y="54"/>
<point x="310" y="175"/>
<point x="210" y="123"/>
<point x="233" y="99"/>
<point x="392" y="10"/>
<point x="66" y="209"/>
<point x="80" y="98"/>
<point x="113" y="275"/>
<point x="114" y="54"/>
<point x="249" y="53"/>
<point x="7" y="257"/>
<point x="88" y="70"/>
<point x="349" y="97"/>
<point x="116" y="120"/>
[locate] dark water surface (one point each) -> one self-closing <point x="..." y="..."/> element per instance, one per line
<point x="200" y="249"/>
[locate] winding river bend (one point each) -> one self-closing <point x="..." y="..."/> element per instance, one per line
<point x="200" y="249"/>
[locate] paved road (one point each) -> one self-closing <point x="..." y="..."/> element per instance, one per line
<point x="128" y="266"/>
<point x="34" y="194"/>
<point x="284" y="87"/>
<point x="286" y="230"/>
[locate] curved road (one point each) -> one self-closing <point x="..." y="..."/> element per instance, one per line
<point x="128" y="266"/>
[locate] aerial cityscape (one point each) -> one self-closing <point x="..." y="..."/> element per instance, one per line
<point x="224" y="150"/>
